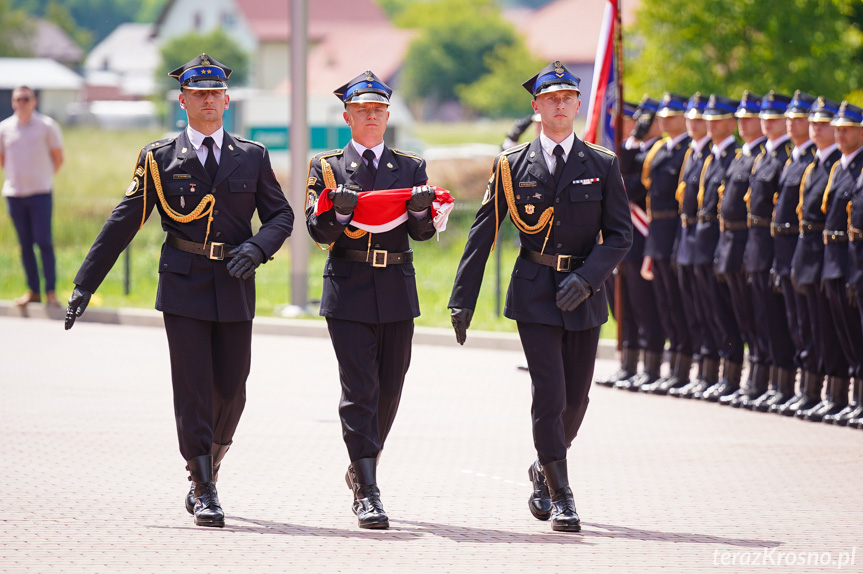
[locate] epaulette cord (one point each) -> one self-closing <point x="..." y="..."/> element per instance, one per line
<point x="330" y="153"/>
<point x="514" y="149"/>
<point x="246" y="140"/>
<point x="409" y="154"/>
<point x="599" y="148"/>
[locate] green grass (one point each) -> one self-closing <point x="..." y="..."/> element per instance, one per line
<point x="99" y="167"/>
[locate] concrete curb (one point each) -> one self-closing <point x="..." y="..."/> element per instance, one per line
<point x="284" y="327"/>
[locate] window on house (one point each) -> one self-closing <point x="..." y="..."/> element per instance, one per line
<point x="228" y="20"/>
<point x="197" y="20"/>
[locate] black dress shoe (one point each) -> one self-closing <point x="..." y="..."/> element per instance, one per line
<point x="540" y="501"/>
<point x="855" y="413"/>
<point x="833" y="419"/>
<point x="207" y="510"/>
<point x="367" y="503"/>
<point x="628" y="368"/>
<point x="564" y="517"/>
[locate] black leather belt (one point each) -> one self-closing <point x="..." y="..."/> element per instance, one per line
<point x="808" y="227"/>
<point x="732" y="225"/>
<point x="855" y="234"/>
<point x="374" y="257"/>
<point x="757" y="221"/>
<point x="831" y="236"/>
<point x="784" y="229"/>
<point x="210" y="250"/>
<point x="663" y="214"/>
<point x="704" y="217"/>
<point x="564" y="263"/>
<point x="688" y="220"/>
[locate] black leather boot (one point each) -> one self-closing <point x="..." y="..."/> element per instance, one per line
<point x="808" y="397"/>
<point x="672" y="363"/>
<point x="707" y="375"/>
<point x="727" y="385"/>
<point x="758" y="384"/>
<point x="783" y="390"/>
<point x="628" y="368"/>
<point x="367" y="503"/>
<point x="851" y="411"/>
<point x="563" y="515"/>
<point x="650" y="374"/>
<point x="540" y="501"/>
<point x="207" y="510"/>
<point x="679" y="377"/>
<point x="834" y="402"/>
<point x="772" y="385"/>
<point x="218" y="451"/>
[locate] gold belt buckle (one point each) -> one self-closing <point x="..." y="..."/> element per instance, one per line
<point x="217" y="251"/>
<point x="564" y="263"/>
<point x="379" y="258"/>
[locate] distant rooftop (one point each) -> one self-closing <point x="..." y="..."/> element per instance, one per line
<point x="38" y="73"/>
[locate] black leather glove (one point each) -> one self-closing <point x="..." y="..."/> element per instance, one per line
<point x="77" y="305"/>
<point x="460" y="322"/>
<point x="422" y="197"/>
<point x="775" y="281"/>
<point x="794" y="283"/>
<point x="245" y="259"/>
<point x="572" y="292"/>
<point x="642" y="125"/>
<point x="344" y="199"/>
<point x="851" y="293"/>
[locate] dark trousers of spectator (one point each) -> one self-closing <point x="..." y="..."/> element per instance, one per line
<point x="32" y="219"/>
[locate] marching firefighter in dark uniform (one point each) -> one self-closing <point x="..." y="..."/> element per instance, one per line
<point x="835" y="204"/>
<point x="705" y="354"/>
<point x="640" y="305"/>
<point x="785" y="228"/>
<point x="561" y="193"/>
<point x="767" y="300"/>
<point x="661" y="176"/>
<point x="808" y="261"/>
<point x="206" y="186"/>
<point x="369" y="295"/>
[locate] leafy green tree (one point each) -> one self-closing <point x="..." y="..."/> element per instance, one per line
<point x="60" y="15"/>
<point x="394" y="8"/>
<point x="726" y="46"/>
<point x="217" y="43"/>
<point x="16" y="29"/>
<point x="455" y="38"/>
<point x="98" y="17"/>
<point x="499" y="93"/>
<point x="150" y="10"/>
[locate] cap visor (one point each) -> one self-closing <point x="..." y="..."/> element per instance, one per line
<point x="844" y="122"/>
<point x="558" y="88"/>
<point x="739" y="114"/>
<point x="708" y="116"/>
<point x="669" y="113"/>
<point x="206" y="85"/>
<point x="694" y="115"/>
<point x="368" y="97"/>
<point x="771" y="115"/>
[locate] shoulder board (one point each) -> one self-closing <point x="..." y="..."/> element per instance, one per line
<point x="244" y="140"/>
<point x="158" y="144"/>
<point x="514" y="149"/>
<point x="600" y="149"/>
<point x="331" y="153"/>
<point x="409" y="154"/>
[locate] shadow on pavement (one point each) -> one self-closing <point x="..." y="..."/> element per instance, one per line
<point x="685" y="537"/>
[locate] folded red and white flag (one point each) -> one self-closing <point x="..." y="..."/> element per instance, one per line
<point x="383" y="210"/>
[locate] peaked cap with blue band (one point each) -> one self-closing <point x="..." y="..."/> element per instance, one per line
<point x="552" y="78"/>
<point x="719" y="108"/>
<point x="695" y="106"/>
<point x="629" y="109"/>
<point x="672" y="105"/>
<point x="800" y="105"/>
<point x="366" y="87"/>
<point x="202" y="73"/>
<point x="774" y="106"/>
<point x="823" y="110"/>
<point x="749" y="107"/>
<point x="849" y="115"/>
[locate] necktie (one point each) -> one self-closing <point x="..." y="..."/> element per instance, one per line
<point x="558" y="163"/>
<point x="210" y="163"/>
<point x="369" y="156"/>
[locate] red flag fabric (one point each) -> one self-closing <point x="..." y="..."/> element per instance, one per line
<point x="600" y="113"/>
<point x="383" y="210"/>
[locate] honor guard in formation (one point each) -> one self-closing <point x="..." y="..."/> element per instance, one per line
<point x="369" y="294"/>
<point x="562" y="194"/>
<point x="206" y="185"/>
<point x="661" y="176"/>
<point x="641" y="326"/>
<point x="768" y="253"/>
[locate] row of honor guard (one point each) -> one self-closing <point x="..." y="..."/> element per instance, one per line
<point x="755" y="247"/>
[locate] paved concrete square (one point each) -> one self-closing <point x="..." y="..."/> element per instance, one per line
<point x="91" y="479"/>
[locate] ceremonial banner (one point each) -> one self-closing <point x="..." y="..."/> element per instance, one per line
<point x="383" y="210"/>
<point x="604" y="91"/>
